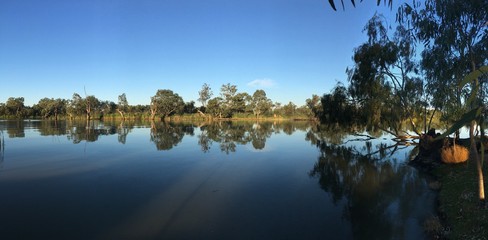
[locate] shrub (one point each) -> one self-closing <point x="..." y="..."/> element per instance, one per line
<point x="454" y="154"/>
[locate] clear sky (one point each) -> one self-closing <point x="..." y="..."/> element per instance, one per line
<point x="290" y="48"/>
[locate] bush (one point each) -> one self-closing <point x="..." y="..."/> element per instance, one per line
<point x="454" y="154"/>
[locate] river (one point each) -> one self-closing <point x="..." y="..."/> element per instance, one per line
<point x="220" y="180"/>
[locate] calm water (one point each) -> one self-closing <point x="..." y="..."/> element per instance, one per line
<point x="283" y="180"/>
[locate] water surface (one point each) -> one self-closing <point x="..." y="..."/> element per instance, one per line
<point x="224" y="180"/>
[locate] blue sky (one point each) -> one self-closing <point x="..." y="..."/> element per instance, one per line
<point x="290" y="48"/>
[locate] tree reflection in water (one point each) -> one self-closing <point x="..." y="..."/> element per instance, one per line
<point x="375" y="186"/>
<point x="166" y="135"/>
<point x="230" y="134"/>
<point x="2" y="148"/>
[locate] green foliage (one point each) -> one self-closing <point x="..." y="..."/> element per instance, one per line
<point x="455" y="40"/>
<point x="289" y="109"/>
<point x="337" y="109"/>
<point x="383" y="83"/>
<point x="315" y="105"/>
<point x="15" y="106"/>
<point x="166" y="102"/>
<point x="260" y="104"/>
<point x="50" y="107"/>
<point x="205" y="94"/>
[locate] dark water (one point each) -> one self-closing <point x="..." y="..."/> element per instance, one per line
<point x="282" y="180"/>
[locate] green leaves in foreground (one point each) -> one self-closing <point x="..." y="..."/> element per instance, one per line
<point x="465" y="119"/>
<point x="475" y="112"/>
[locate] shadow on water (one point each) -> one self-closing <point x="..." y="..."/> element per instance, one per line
<point x="384" y="197"/>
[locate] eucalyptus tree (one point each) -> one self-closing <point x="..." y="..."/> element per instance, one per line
<point x="15" y="106"/>
<point x="215" y="107"/>
<point x="260" y="104"/>
<point x="166" y="102"/>
<point x="205" y="94"/>
<point x="455" y="37"/>
<point x="289" y="109"/>
<point x="455" y="40"/>
<point x="52" y="107"/>
<point x="384" y="81"/>
<point x="337" y="109"/>
<point x="75" y="106"/>
<point x="92" y="104"/>
<point x="240" y="103"/>
<point x="122" y="105"/>
<point x="227" y="93"/>
<point x="3" y="109"/>
<point x="315" y="105"/>
<point x="189" y="107"/>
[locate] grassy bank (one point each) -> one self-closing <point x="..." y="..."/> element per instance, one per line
<point x="463" y="215"/>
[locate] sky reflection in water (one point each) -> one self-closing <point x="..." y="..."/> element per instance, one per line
<point x="67" y="180"/>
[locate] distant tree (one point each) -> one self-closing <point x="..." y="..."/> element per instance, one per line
<point x="3" y="109"/>
<point x="337" y="109"/>
<point x="205" y="94"/>
<point x="227" y="93"/>
<point x="108" y="107"/>
<point x="260" y="103"/>
<point x="14" y="106"/>
<point x="215" y="107"/>
<point x="166" y="102"/>
<point x="189" y="107"/>
<point x="314" y="105"/>
<point x="52" y="107"/>
<point x="75" y="106"/>
<point x="92" y="104"/>
<point x="122" y="106"/>
<point x="289" y="109"/>
<point x="240" y="101"/>
<point x="277" y="109"/>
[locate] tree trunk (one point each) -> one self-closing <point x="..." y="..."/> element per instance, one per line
<point x="474" y="150"/>
<point x="121" y="114"/>
<point x="201" y="113"/>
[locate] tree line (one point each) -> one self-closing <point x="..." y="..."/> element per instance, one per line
<point x="165" y="103"/>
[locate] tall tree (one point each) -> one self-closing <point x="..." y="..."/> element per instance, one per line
<point x="455" y="36"/>
<point x="75" y="106"/>
<point x="384" y="80"/>
<point x="289" y="109"/>
<point x="215" y="107"/>
<point x="14" y="106"/>
<point x="260" y="103"/>
<point x="314" y="105"/>
<point x="52" y="107"/>
<point x="228" y="93"/>
<point x="92" y="104"/>
<point x="189" y="107"/>
<point x="166" y="102"/>
<point x="122" y="106"/>
<point x="205" y="94"/>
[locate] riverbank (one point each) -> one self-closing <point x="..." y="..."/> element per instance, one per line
<point x="462" y="214"/>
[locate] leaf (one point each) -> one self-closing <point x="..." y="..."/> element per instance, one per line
<point x="465" y="119"/>
<point x="473" y="75"/>
<point x="332" y="4"/>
